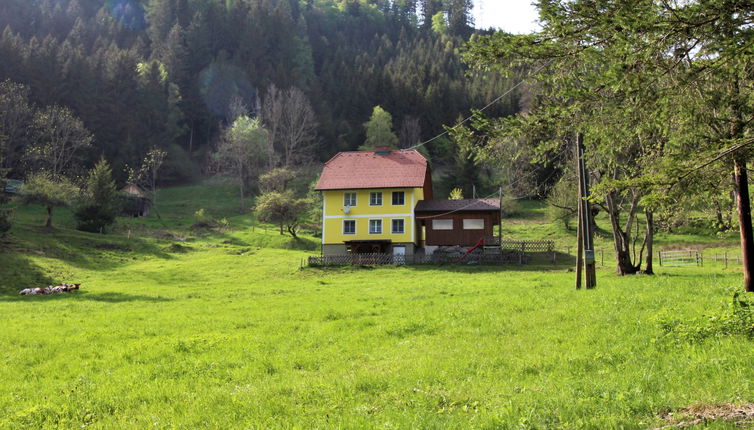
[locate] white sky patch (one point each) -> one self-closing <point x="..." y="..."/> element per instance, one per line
<point x="513" y="16"/>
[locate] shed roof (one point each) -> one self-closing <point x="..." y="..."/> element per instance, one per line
<point x="461" y="205"/>
<point x="134" y="190"/>
<point x="369" y="169"/>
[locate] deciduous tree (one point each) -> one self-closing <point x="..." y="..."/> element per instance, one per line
<point x="242" y="153"/>
<point x="45" y="189"/>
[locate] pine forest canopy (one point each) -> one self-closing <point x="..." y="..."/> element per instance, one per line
<point x="142" y="74"/>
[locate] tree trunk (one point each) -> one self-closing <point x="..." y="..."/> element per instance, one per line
<point x="744" y="222"/>
<point x="48" y="221"/>
<point x="281" y="228"/>
<point x="649" y="238"/>
<point x="240" y="188"/>
<point x="624" y="266"/>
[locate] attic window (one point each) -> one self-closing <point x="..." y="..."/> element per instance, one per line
<point x="382" y="150"/>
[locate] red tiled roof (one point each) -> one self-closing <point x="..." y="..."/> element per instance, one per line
<point x="462" y="205"/>
<point x="365" y="169"/>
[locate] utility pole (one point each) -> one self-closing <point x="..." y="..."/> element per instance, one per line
<point x="580" y="229"/>
<point x="500" y="226"/>
<point x="585" y="214"/>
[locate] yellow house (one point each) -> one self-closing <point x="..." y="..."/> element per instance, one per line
<point x="369" y="199"/>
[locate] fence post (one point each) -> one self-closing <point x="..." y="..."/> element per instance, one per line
<point x="602" y="257"/>
<point x="659" y="256"/>
<point x="521" y="254"/>
<point x="726" y="259"/>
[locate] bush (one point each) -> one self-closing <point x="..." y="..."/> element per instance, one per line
<point x="510" y="206"/>
<point x="94" y="218"/>
<point x="99" y="206"/>
<point x="207" y="222"/>
<point x="562" y="203"/>
<point x="737" y="319"/>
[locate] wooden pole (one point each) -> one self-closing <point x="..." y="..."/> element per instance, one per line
<point x="744" y="222"/>
<point x="590" y="270"/>
<point x="580" y="230"/>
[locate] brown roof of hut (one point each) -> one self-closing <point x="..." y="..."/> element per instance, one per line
<point x="461" y="205"/>
<point x="134" y="190"/>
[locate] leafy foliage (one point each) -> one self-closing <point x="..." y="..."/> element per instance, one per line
<point x="379" y="130"/>
<point x="45" y="189"/>
<point x="282" y="208"/>
<point x="100" y="201"/>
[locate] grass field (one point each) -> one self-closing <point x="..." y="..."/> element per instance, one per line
<point x="181" y="329"/>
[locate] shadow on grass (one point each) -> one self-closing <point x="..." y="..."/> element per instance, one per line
<point x="113" y="297"/>
<point x="105" y="297"/>
<point x="17" y="272"/>
<point x="85" y="250"/>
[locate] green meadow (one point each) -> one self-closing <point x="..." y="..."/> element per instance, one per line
<point x="182" y="328"/>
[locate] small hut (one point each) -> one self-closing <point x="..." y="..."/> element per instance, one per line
<point x="136" y="202"/>
<point x="458" y="222"/>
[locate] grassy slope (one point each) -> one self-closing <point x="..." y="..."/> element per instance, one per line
<point x="224" y="330"/>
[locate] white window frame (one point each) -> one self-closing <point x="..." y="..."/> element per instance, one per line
<point x="468" y="221"/>
<point x="392" y="230"/>
<point x="370" y="226"/>
<point x="347" y="201"/>
<point x="392" y="198"/>
<point x="435" y="227"/>
<point x="354" y="226"/>
<point x="371" y="199"/>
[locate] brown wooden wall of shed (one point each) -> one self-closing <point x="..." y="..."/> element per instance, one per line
<point x="459" y="236"/>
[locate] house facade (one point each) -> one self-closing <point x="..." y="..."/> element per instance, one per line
<point x="369" y="199"/>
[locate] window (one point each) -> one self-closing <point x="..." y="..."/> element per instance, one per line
<point x="375" y="199"/>
<point x="442" y="224"/>
<point x="399" y="226"/>
<point x="473" y="224"/>
<point x="349" y="199"/>
<point x="375" y="226"/>
<point x="349" y="226"/>
<point x="399" y="198"/>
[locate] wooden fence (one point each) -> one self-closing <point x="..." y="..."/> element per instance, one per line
<point x="438" y="258"/>
<point x="528" y="245"/>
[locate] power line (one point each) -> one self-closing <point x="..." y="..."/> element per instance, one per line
<point x="467" y="119"/>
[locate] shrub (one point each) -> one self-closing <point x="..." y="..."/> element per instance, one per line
<point x="99" y="206"/>
<point x="207" y="222"/>
<point x="736" y="319"/>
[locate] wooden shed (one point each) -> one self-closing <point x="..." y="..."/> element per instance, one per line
<point x="457" y="222"/>
<point x="137" y="202"/>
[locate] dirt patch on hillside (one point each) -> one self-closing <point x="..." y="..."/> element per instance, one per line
<point x="741" y="415"/>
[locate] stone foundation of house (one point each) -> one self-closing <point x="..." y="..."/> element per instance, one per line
<point x="341" y="249"/>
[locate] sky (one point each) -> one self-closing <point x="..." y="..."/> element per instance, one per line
<point x="513" y="16"/>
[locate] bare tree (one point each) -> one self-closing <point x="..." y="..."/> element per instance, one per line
<point x="146" y="175"/>
<point x="410" y="133"/>
<point x="289" y="117"/>
<point x="272" y="117"/>
<point x="236" y="108"/>
<point x="60" y="138"/>
<point x="242" y="152"/>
